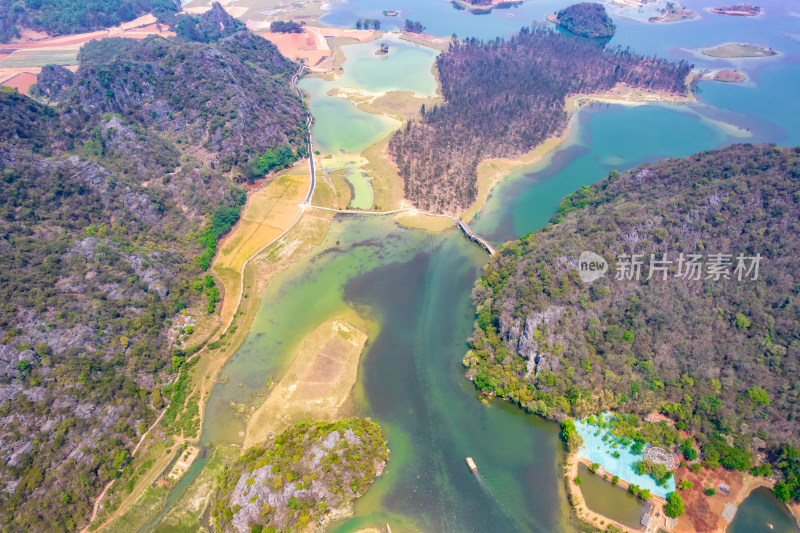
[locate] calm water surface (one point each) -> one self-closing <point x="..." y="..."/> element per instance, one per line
<point x="760" y="510"/>
<point x="611" y="501"/>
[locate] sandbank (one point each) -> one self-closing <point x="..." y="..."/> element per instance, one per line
<point x="317" y="383"/>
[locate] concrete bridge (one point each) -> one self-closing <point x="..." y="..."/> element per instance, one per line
<point x="480" y="241"/>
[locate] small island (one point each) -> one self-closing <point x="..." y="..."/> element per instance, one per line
<point x="673" y="13"/>
<point x="730" y="51"/>
<point x="480" y="7"/>
<point x="730" y="76"/>
<point x="587" y="19"/>
<point x="737" y="10"/>
<point x="669" y="11"/>
<point x="305" y="475"/>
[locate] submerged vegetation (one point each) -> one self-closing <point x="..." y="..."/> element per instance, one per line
<point x="717" y="355"/>
<point x="494" y="108"/>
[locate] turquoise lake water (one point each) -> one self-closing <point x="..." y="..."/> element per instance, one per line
<point x="416" y="286"/>
<point x="604" y="452"/>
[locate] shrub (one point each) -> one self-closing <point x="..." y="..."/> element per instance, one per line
<point x="674" y="506"/>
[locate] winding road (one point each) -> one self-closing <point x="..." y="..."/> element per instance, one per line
<point x="307" y="201"/>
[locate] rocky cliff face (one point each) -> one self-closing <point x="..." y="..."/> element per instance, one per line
<point x="301" y="476"/>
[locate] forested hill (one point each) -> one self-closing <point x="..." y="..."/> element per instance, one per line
<point x="721" y="357"/>
<point x="503" y="98"/>
<point x="308" y="474"/>
<point x="64" y="17"/>
<point x="233" y="98"/>
<point x="111" y="204"/>
<point x="587" y="19"/>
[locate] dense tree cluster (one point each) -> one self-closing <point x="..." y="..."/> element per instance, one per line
<point x="63" y="17"/>
<point x="719" y="356"/>
<point x="366" y="24"/>
<point x="283" y="26"/>
<point x="587" y="19"/>
<point x="112" y="200"/>
<point x="414" y="26"/>
<point x="299" y="476"/>
<point x="501" y="99"/>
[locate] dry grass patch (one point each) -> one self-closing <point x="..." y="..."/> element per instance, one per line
<point x="425" y="222"/>
<point x="269" y="212"/>
<point x="386" y="183"/>
<point x="400" y="105"/>
<point x="333" y="191"/>
<point x="33" y="57"/>
<point x="316" y="384"/>
<point x="307" y="234"/>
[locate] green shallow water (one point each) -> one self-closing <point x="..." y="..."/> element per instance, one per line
<point x="602" y="137"/>
<point x="760" y="510"/>
<point x="404" y="68"/>
<point x="340" y="125"/>
<point x="416" y="288"/>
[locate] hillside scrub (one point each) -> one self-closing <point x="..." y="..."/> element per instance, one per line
<point x="502" y="98"/>
<point x="65" y="17"/>
<point x="677" y="345"/>
<point x="299" y="476"/>
<point x="112" y="200"/>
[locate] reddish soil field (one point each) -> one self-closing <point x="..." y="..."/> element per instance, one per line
<point x="21" y="82"/>
<point x="300" y="45"/>
<point x="703" y="513"/>
<point x="59" y="41"/>
<point x="729" y="76"/>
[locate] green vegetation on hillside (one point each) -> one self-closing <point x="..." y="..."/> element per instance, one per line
<point x="64" y="17"/>
<point x="284" y="26"/>
<point x="587" y="19"/>
<point x="233" y="97"/>
<point x="112" y="200"/>
<point x="299" y="476"/>
<point x="209" y="27"/>
<point x="717" y="356"/>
